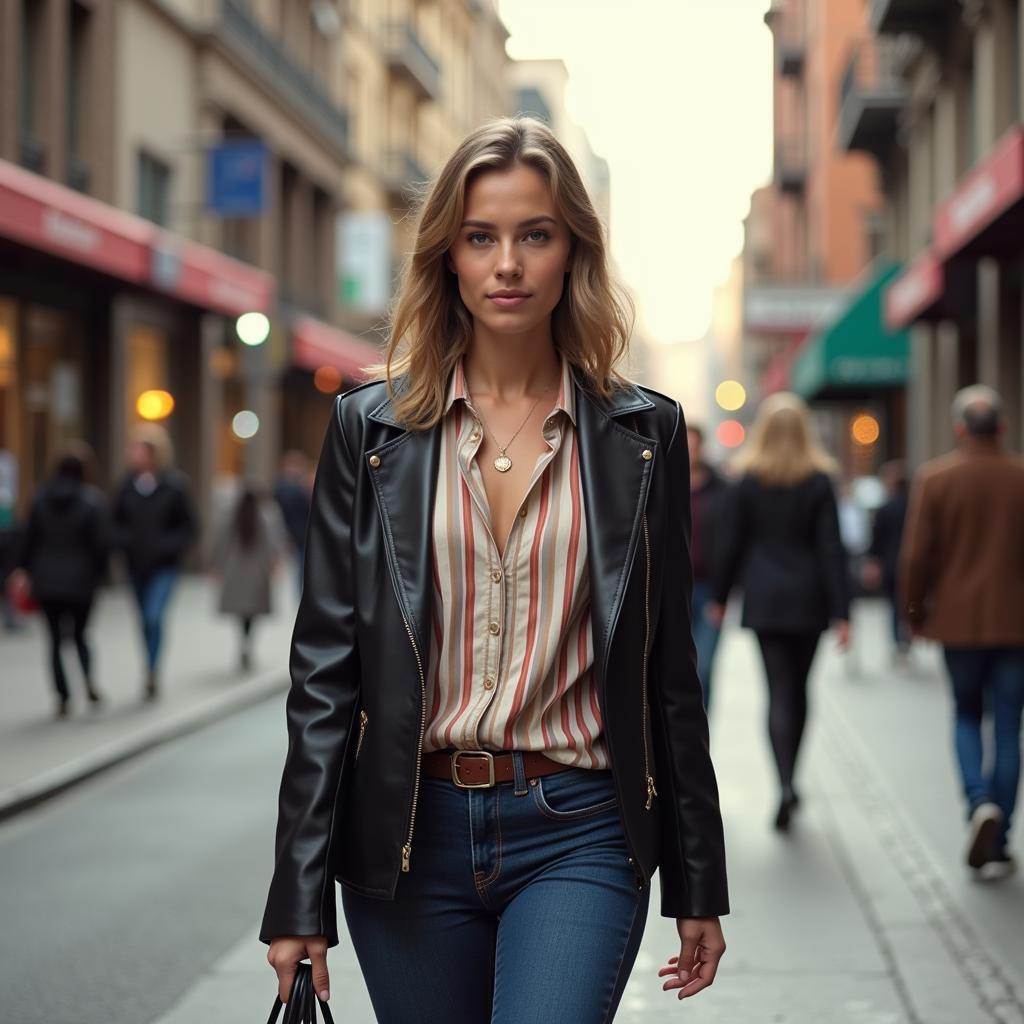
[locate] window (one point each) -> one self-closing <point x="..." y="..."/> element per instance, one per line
<point x="77" y="97"/>
<point x="29" y="85"/>
<point x="154" y="189"/>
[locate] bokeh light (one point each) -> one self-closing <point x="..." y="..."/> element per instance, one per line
<point x="327" y="379"/>
<point x="253" y="328"/>
<point x="155" y="404"/>
<point x="730" y="433"/>
<point x="245" y="424"/>
<point x="865" y="429"/>
<point x="731" y="395"/>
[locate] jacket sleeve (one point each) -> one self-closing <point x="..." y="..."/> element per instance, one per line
<point x="324" y="666"/>
<point x="732" y="542"/>
<point x="692" y="860"/>
<point x="917" y="553"/>
<point x="832" y="554"/>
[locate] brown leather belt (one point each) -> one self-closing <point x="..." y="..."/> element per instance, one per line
<point x="480" y="769"/>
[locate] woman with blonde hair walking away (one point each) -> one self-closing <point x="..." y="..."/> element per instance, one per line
<point x="495" y="722"/>
<point x="782" y="546"/>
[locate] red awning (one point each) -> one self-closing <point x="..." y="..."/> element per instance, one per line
<point x="39" y="213"/>
<point x="316" y="344"/>
<point x="775" y="376"/>
<point x="985" y="215"/>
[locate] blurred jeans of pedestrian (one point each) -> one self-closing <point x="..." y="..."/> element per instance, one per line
<point x="705" y="637"/>
<point x="992" y="679"/>
<point x="521" y="894"/>
<point x="152" y="594"/>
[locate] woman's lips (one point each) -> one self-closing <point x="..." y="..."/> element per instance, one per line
<point x="508" y="301"/>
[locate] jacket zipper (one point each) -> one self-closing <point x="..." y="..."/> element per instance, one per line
<point x="407" y="848"/>
<point x="364" y="719"/>
<point x="651" y="791"/>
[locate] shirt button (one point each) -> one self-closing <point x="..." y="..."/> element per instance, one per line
<point x="494" y="629"/>
<point x="496" y="576"/>
<point x="522" y="512"/>
<point x="488" y="683"/>
<point x="475" y="436"/>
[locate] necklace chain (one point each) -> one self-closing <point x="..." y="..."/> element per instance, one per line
<point x="502" y="462"/>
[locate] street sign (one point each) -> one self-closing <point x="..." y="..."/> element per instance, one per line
<point x="236" y="178"/>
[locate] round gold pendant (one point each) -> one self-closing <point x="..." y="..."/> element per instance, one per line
<point x="502" y="463"/>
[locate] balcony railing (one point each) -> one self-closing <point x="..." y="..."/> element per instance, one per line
<point x="407" y="56"/>
<point x="402" y="172"/>
<point x="280" y="72"/>
<point x="872" y="93"/>
<point x="791" y="163"/>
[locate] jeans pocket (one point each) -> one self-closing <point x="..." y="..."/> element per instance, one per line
<point x="575" y="793"/>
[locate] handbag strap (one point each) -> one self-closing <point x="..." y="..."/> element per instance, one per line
<point x="300" y="1008"/>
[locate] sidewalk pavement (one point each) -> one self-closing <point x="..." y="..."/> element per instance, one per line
<point x="863" y="915"/>
<point x="200" y="682"/>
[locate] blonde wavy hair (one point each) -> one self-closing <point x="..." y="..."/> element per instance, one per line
<point x="430" y="327"/>
<point x="783" y="448"/>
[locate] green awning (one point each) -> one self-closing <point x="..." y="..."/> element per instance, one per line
<point x="855" y="352"/>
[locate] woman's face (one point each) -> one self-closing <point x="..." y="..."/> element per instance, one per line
<point x="512" y="251"/>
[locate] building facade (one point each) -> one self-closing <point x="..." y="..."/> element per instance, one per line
<point x="168" y="166"/>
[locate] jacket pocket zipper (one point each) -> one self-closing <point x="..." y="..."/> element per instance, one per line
<point x="407" y="848"/>
<point x="651" y="791"/>
<point x="364" y="719"/>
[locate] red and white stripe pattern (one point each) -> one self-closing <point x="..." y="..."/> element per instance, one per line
<point x="530" y="685"/>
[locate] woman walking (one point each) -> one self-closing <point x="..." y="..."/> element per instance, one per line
<point x="247" y="552"/>
<point x="496" y="726"/>
<point x="63" y="559"/>
<point x="782" y="547"/>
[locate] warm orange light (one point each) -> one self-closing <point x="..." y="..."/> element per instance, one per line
<point x="730" y="433"/>
<point x="154" y="405"/>
<point x="327" y="379"/>
<point x="222" y="363"/>
<point x="865" y="429"/>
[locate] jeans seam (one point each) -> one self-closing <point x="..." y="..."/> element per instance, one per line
<point x="622" y="958"/>
<point x="483" y="883"/>
<point x="581" y="815"/>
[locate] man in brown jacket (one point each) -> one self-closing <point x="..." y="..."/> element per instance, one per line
<point x="962" y="584"/>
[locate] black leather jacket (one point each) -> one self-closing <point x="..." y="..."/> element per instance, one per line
<point x="356" y="709"/>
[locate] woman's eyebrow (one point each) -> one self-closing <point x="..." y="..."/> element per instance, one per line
<point x="522" y="224"/>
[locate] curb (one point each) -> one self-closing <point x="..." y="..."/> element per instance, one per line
<point x="24" y="795"/>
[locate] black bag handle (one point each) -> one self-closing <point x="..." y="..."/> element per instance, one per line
<point x="301" y="1005"/>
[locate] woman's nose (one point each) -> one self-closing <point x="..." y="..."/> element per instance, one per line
<point x="508" y="261"/>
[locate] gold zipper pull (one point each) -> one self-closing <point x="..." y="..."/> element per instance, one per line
<point x="651" y="793"/>
<point x="406" y="854"/>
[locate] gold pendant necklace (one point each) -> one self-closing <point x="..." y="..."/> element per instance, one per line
<point x="502" y="463"/>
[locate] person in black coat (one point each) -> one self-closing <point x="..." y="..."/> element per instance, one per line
<point x="782" y="546"/>
<point x="155" y="525"/>
<point x="63" y="558"/>
<point x="882" y="568"/>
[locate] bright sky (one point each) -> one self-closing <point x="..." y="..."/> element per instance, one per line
<point x="676" y="96"/>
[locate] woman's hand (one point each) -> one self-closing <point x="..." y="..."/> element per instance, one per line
<point x="843" y="635"/>
<point x="702" y="947"/>
<point x="285" y="955"/>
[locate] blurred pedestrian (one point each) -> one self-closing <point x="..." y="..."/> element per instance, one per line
<point x="155" y="525"/>
<point x="495" y="617"/>
<point x="962" y="583"/>
<point x="249" y="546"/>
<point x="882" y="566"/>
<point x="292" y="493"/>
<point x="63" y="560"/>
<point x="9" y="538"/>
<point x="782" y="547"/>
<point x="708" y="492"/>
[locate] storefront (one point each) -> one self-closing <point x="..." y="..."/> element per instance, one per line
<point x="98" y="307"/>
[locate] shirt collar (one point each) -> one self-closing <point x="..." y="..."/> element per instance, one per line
<point x="566" y="401"/>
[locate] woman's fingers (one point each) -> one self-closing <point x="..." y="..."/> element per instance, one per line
<point x="318" y="958"/>
<point x="285" y="979"/>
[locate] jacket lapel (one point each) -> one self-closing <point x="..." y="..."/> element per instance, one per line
<point x="615" y="478"/>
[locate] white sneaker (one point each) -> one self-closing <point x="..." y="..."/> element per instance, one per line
<point x="985" y="823"/>
<point x="998" y="869"/>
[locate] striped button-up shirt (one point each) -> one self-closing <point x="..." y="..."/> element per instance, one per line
<point x="512" y="652"/>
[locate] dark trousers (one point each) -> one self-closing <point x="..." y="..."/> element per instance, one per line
<point x="59" y="614"/>
<point x="787" y="664"/>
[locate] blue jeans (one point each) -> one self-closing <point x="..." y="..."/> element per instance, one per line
<point x="152" y="594"/>
<point x="521" y="905"/>
<point x="988" y="679"/>
<point x="705" y="637"/>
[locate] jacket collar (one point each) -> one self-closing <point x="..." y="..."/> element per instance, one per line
<point x="623" y="400"/>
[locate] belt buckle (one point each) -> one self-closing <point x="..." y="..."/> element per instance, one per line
<point x="473" y="785"/>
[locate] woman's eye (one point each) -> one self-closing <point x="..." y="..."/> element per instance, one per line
<point x="474" y="236"/>
<point x="538" y="231"/>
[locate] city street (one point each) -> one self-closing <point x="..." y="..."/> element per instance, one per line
<point x="136" y="896"/>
